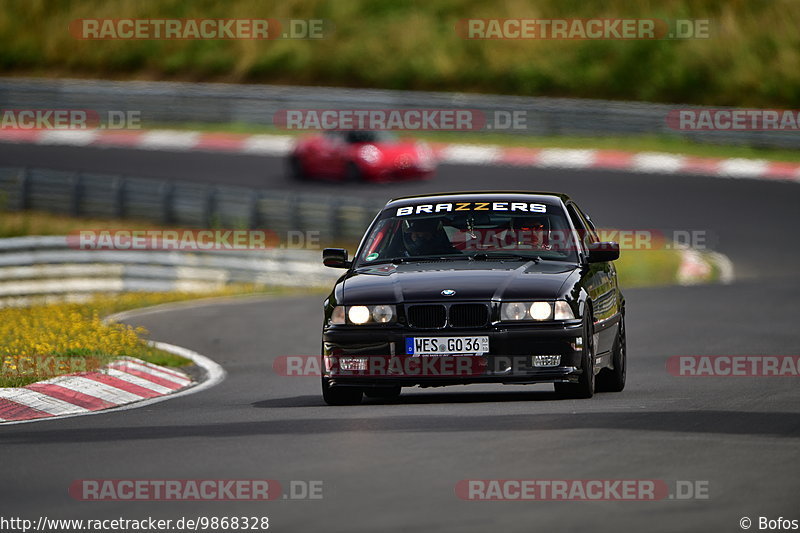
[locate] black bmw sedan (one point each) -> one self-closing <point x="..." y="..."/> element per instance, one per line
<point x="475" y="287"/>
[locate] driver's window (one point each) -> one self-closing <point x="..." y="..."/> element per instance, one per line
<point x="584" y="233"/>
<point x="591" y="232"/>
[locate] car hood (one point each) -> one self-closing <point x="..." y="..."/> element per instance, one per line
<point x="471" y="280"/>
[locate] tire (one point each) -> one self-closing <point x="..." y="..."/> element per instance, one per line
<point x="352" y="173"/>
<point x="584" y="388"/>
<point x="296" y="169"/>
<point x="383" y="393"/>
<point x="613" y="380"/>
<point x="340" y="395"/>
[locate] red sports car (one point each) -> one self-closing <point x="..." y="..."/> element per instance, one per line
<point x="360" y="156"/>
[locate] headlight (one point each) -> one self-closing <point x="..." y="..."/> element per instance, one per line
<point x="382" y="313"/>
<point x="369" y="154"/>
<point x="539" y="311"/>
<point x="513" y="311"/>
<point x="363" y="314"/>
<point x="358" y="314"/>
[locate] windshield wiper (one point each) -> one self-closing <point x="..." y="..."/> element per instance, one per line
<point x="398" y="260"/>
<point x="484" y="256"/>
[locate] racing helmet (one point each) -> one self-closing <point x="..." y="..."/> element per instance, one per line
<point x="423" y="236"/>
<point x="532" y="230"/>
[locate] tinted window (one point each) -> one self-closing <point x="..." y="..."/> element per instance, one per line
<point x="591" y="234"/>
<point x="586" y="234"/>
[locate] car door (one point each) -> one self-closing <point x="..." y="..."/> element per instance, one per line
<point x="601" y="285"/>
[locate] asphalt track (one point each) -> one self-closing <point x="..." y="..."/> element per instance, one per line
<point x="394" y="466"/>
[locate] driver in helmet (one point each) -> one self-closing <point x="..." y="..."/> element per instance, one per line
<point x="532" y="232"/>
<point x="427" y="237"/>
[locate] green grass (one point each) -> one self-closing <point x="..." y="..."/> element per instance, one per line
<point x="22" y="223"/>
<point x="648" y="268"/>
<point x="750" y="58"/>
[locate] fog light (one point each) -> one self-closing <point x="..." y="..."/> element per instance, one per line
<point x="353" y="364"/>
<point x="546" y="360"/>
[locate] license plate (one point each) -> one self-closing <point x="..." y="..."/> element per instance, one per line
<point x="447" y="345"/>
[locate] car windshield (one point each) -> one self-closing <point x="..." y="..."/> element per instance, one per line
<point x="472" y="235"/>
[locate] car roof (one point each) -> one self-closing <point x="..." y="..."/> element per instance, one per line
<point x="488" y="196"/>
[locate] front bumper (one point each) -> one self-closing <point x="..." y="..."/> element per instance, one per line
<point x="509" y="360"/>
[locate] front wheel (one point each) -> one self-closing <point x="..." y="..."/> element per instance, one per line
<point x="613" y="380"/>
<point x="340" y="395"/>
<point x="584" y="388"/>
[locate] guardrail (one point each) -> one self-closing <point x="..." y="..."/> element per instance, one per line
<point x="186" y="204"/>
<point x="36" y="266"/>
<point x="169" y="102"/>
<point x="32" y="267"/>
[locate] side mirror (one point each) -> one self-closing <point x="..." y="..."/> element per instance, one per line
<point x="601" y="252"/>
<point x="335" y="258"/>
